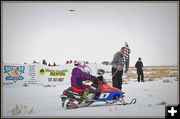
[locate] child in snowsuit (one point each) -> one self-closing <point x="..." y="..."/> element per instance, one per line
<point x="77" y="78"/>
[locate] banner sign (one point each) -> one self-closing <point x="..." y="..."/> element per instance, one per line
<point x="32" y="74"/>
<point x="13" y="74"/>
<point x="55" y="75"/>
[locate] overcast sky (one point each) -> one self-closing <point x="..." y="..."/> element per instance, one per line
<point x="94" y="32"/>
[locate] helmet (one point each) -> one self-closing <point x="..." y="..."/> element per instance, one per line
<point x="139" y="58"/>
<point x="76" y="63"/>
<point x="79" y="64"/>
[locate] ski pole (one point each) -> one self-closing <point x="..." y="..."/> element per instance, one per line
<point x="115" y="72"/>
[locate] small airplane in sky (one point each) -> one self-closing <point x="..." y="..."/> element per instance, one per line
<point x="71" y="10"/>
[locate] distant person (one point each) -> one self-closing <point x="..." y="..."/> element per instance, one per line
<point x="54" y="64"/>
<point x="117" y="67"/>
<point x="139" y="65"/>
<point x="34" y="62"/>
<point x="44" y="62"/>
<point x="70" y="61"/>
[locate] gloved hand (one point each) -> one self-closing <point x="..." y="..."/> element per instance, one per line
<point x="118" y="66"/>
<point x="95" y="81"/>
<point x="93" y="78"/>
<point x="96" y="89"/>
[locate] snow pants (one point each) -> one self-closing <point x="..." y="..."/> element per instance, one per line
<point x="117" y="78"/>
<point x="140" y="75"/>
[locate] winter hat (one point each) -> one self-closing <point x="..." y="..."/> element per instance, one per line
<point x="79" y="64"/>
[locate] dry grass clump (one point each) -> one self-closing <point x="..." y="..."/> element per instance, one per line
<point x="21" y="109"/>
<point x="160" y="74"/>
<point x="131" y="75"/>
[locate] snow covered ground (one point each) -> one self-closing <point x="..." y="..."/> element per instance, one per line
<point x="37" y="101"/>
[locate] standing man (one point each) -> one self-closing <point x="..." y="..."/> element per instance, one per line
<point x="118" y="62"/>
<point x="140" y="73"/>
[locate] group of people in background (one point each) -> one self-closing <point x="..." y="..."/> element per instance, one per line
<point x="70" y="62"/>
<point x="44" y="62"/>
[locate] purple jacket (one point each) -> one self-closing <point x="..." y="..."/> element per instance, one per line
<point x="77" y="76"/>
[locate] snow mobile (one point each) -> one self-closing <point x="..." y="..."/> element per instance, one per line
<point x="71" y="98"/>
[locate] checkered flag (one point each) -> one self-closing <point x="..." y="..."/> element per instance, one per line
<point x="127" y="52"/>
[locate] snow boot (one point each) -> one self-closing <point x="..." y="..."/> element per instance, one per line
<point x="85" y="94"/>
<point x="72" y="105"/>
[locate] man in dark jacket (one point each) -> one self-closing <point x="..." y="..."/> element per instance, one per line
<point x="140" y="73"/>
